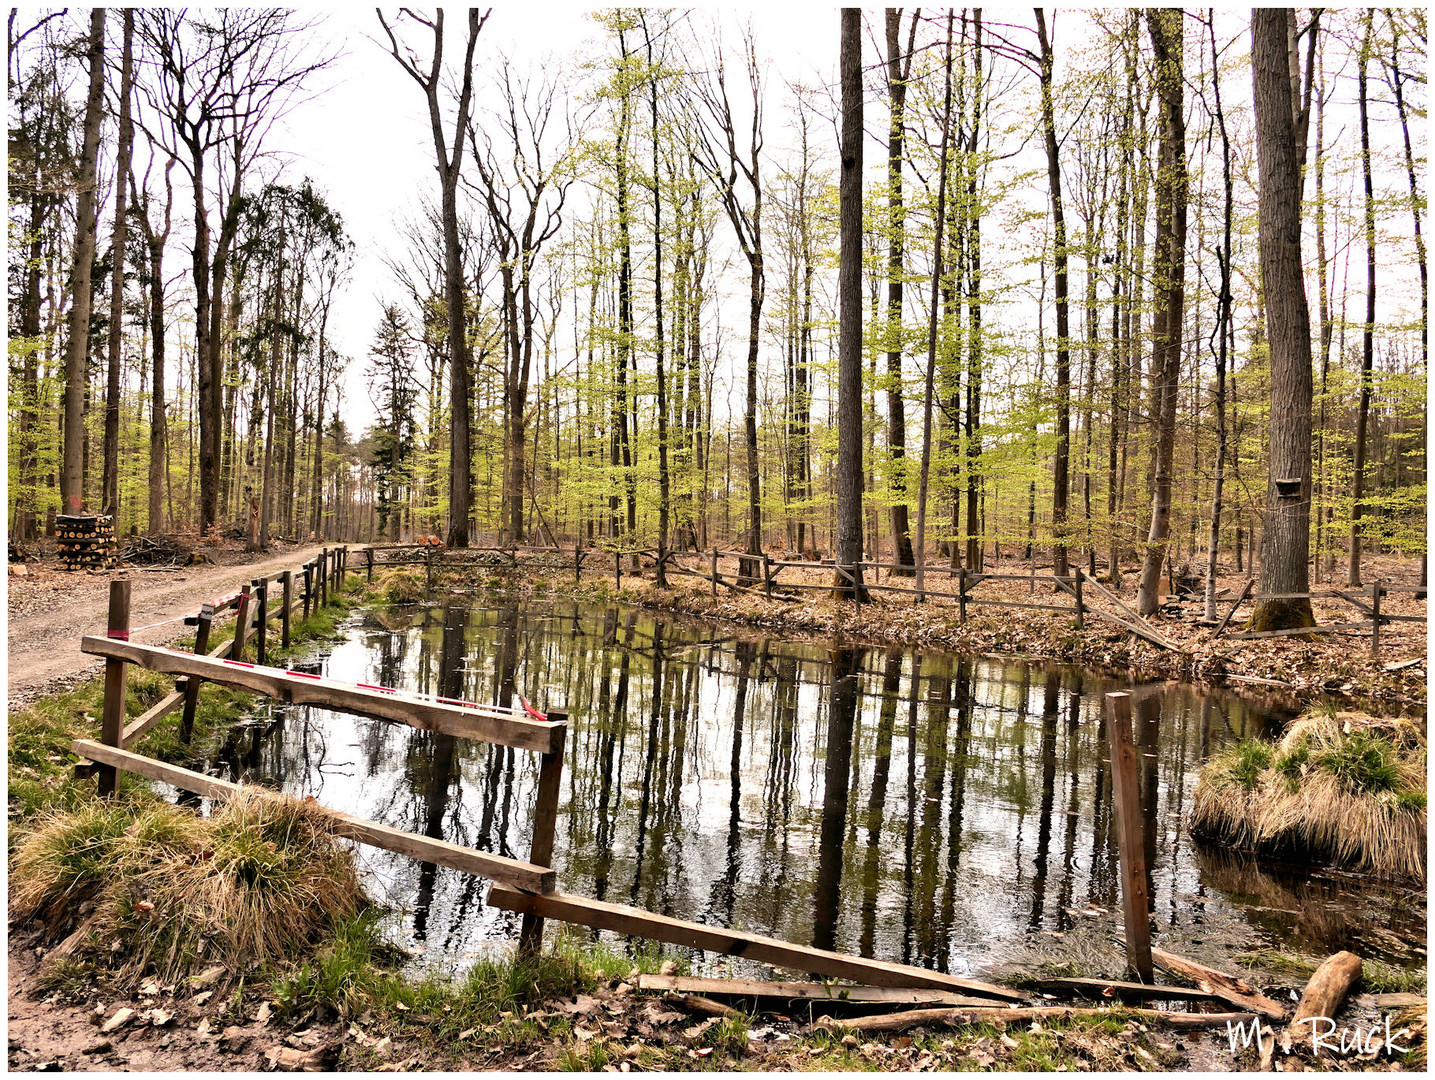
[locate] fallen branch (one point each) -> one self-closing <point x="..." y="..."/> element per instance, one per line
<point x="964" y="1017"/>
<point x="1096" y="988"/>
<point x="838" y="993"/>
<point x="1226" y="987"/>
<point x="698" y="1003"/>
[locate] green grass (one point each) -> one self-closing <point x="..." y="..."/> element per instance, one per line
<point x="1378" y="978"/>
<point x="1362" y="763"/>
<point x="1252" y="757"/>
<point x="1276" y="961"/>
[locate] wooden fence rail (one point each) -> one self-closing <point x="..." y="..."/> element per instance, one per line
<point x="1073" y="585"/>
<point x="225" y="665"/>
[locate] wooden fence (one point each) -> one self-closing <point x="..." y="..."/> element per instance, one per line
<point x="765" y="571"/>
<point x="525" y="887"/>
<point x="225" y="665"/>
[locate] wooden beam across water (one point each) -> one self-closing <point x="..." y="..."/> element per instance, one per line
<point x="425" y="848"/>
<point x="837" y="993"/>
<point x="622" y="919"/>
<point x="505" y="727"/>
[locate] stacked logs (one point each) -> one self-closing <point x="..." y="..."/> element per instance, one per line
<point x="85" y="541"/>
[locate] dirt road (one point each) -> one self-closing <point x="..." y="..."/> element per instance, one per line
<point x="50" y="609"/>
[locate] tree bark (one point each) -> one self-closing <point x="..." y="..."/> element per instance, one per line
<point x="899" y="67"/>
<point x="81" y="297"/>
<point x="1284" y="561"/>
<point x="110" y="480"/>
<point x="849" y="342"/>
<point x="1060" y="471"/>
<point x="1168" y="274"/>
<point x="1367" y="362"/>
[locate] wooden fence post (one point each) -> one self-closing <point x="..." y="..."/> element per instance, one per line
<point x="578" y="563"/>
<point x="714" y="577"/>
<point x="308" y="586"/>
<point x="324" y="579"/>
<point x="369" y="563"/>
<point x="545" y="821"/>
<point x="288" y="580"/>
<point x="1135" y="902"/>
<point x="191" y="684"/>
<point x="961" y="596"/>
<point x="241" y="625"/>
<point x="767" y="574"/>
<point x="1375" y="591"/>
<point x="261" y="635"/>
<point x="618" y="567"/>
<point x="1080" y="604"/>
<point x="112" y="720"/>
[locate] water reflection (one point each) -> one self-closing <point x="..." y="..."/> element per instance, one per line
<point x="922" y="807"/>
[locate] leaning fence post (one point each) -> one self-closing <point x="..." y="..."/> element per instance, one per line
<point x="1375" y="591"/>
<point x="715" y="577"/>
<point x="1080" y="604"/>
<point x="241" y="625"/>
<point x="261" y="636"/>
<point x="324" y="579"/>
<point x="1135" y="902"/>
<point x="112" y="720"/>
<point x="308" y="586"/>
<point x="545" y="820"/>
<point x="191" y="684"/>
<point x="369" y="563"/>
<point x="767" y="574"/>
<point x="578" y="563"/>
<point x="288" y="580"/>
<point x="961" y="596"/>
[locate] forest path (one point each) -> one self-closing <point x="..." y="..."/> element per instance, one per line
<point x="50" y="609"/>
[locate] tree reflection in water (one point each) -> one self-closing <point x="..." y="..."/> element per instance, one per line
<point x="929" y="807"/>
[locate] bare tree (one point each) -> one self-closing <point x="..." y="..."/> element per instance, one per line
<point x="219" y="83"/>
<point x="524" y="197"/>
<point x="449" y="165"/>
<point x="78" y="347"/>
<point x="1285" y="562"/>
<point x="725" y="162"/>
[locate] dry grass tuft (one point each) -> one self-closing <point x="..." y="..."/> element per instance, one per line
<point x="257" y="882"/>
<point x="1343" y="788"/>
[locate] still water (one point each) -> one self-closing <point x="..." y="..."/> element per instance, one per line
<point x="937" y="809"/>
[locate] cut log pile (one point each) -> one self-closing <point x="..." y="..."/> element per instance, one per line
<point x="85" y="541"/>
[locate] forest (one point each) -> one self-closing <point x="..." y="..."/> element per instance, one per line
<point x="1117" y="289"/>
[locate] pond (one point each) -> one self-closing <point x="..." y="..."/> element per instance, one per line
<point x="936" y="809"/>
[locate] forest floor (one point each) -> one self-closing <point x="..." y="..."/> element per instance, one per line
<point x="1334" y="663"/>
<point x="50" y="608"/>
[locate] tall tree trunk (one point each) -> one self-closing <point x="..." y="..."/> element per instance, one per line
<point x="1367" y="362"/>
<point x="110" y="481"/>
<point x="660" y="574"/>
<point x="1284" y="563"/>
<point x="973" y="213"/>
<point x="1223" y="319"/>
<point x="1168" y="272"/>
<point x="939" y="217"/>
<point x="899" y="66"/>
<point x="81" y="297"/>
<point x="849" y="341"/>
<point x="1062" y="465"/>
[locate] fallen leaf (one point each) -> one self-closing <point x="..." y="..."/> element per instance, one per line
<point x="117" y="1021"/>
<point x="286" y="1057"/>
<point x="262" y="1016"/>
<point x="201" y="998"/>
<point x="159" y="1018"/>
